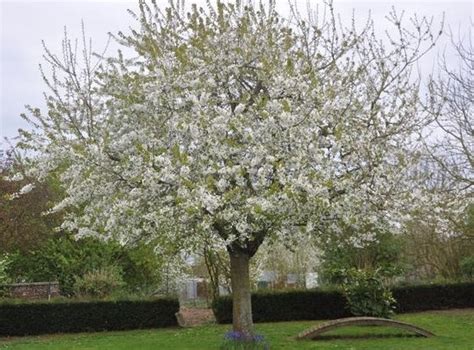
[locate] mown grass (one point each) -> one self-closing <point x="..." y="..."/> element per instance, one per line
<point x="454" y="329"/>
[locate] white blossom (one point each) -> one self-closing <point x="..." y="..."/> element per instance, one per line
<point x="256" y="127"/>
<point x="26" y="189"/>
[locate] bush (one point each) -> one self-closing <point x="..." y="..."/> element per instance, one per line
<point x="4" y="262"/>
<point x="331" y="304"/>
<point x="367" y="295"/>
<point x="382" y="251"/>
<point x="99" y="283"/>
<point x="63" y="259"/>
<point x="18" y="319"/>
<point x="467" y="267"/>
<point x="4" y="278"/>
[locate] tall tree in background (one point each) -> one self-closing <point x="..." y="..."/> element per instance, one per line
<point x="452" y="105"/>
<point x="440" y="234"/>
<point x="235" y="124"/>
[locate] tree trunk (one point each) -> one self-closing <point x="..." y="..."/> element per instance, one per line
<point x="241" y="301"/>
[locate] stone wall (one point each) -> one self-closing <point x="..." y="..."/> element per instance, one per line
<point x="36" y="290"/>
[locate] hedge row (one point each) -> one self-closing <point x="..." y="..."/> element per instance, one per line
<point x="322" y="305"/>
<point x="287" y="306"/>
<point x="434" y="297"/>
<point x="80" y="316"/>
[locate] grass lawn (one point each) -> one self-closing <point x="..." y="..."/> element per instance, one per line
<point x="454" y="330"/>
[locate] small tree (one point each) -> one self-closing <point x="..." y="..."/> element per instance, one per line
<point x="235" y="124"/>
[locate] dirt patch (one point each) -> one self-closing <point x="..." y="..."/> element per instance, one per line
<point x="190" y="317"/>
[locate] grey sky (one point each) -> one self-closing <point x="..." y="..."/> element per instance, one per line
<point x="25" y="23"/>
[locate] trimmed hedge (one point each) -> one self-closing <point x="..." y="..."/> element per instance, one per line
<point x="323" y="305"/>
<point x="288" y="306"/>
<point x="434" y="297"/>
<point x="327" y="305"/>
<point x="17" y="319"/>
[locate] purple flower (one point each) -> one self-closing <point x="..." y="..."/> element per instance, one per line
<point x="239" y="340"/>
<point x="233" y="335"/>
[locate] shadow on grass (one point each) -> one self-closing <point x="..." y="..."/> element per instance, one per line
<point x="364" y="336"/>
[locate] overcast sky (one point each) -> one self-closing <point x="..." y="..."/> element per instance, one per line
<point x="25" y="23"/>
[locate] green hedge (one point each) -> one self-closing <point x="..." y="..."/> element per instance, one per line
<point x="322" y="305"/>
<point x="17" y="319"/>
<point x="287" y="306"/>
<point x="434" y="297"/>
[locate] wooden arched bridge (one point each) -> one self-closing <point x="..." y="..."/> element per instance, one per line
<point x="316" y="331"/>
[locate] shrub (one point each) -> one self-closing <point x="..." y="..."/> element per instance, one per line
<point x="4" y="278"/>
<point x="467" y="267"/>
<point x="4" y="262"/>
<point x="99" y="283"/>
<point x="367" y="295"/>
<point x="381" y="250"/>
<point x="18" y="319"/>
<point x="63" y="259"/>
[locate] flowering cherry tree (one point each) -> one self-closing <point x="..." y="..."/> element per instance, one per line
<point x="233" y="124"/>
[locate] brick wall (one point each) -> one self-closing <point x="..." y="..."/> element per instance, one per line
<point x="36" y="290"/>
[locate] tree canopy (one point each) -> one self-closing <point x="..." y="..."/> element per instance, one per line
<point x="234" y="123"/>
